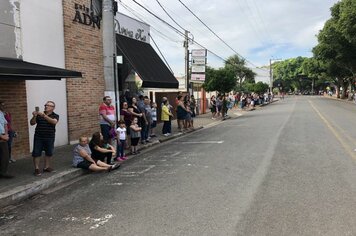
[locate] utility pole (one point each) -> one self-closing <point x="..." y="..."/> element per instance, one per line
<point x="186" y="59"/>
<point x="108" y="44"/>
<point x="109" y="51"/>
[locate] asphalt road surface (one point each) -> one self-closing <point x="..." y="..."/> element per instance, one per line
<point x="286" y="169"/>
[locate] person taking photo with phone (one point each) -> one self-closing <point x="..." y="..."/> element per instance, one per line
<point x="45" y="133"/>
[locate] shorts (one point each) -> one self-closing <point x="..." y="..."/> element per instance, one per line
<point x="154" y="124"/>
<point x="134" y="141"/>
<point x="40" y="145"/>
<point x="84" y="165"/>
<point x="188" y="117"/>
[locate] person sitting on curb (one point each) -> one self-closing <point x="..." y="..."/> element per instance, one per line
<point x="101" y="150"/>
<point x="82" y="158"/>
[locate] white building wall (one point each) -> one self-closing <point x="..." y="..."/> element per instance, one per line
<point x="43" y="43"/>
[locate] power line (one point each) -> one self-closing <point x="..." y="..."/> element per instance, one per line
<point x="161" y="54"/>
<point x="140" y="17"/>
<point x="216" y="34"/>
<point x="169" y="15"/>
<point x="132" y="11"/>
<point x="179" y="32"/>
<point x="183" y="34"/>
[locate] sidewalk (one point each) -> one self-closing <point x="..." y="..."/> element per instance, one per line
<point x="25" y="184"/>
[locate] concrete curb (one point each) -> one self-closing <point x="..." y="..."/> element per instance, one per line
<point x="22" y="192"/>
<point x="339" y="99"/>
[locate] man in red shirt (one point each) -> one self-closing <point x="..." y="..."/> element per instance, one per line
<point x="107" y="118"/>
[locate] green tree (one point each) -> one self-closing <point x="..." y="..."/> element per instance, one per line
<point x="242" y="72"/>
<point x="347" y="19"/>
<point x="258" y="87"/>
<point x="289" y="74"/>
<point x="337" y="45"/>
<point x="222" y="80"/>
<point x="225" y="79"/>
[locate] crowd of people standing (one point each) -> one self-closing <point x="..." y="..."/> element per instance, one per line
<point x="220" y="105"/>
<point x="105" y="150"/>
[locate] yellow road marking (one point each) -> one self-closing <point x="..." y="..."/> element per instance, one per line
<point x="347" y="148"/>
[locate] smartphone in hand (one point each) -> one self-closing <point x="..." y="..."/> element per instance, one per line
<point x="37" y="109"/>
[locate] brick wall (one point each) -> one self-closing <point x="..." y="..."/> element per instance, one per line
<point x="84" y="53"/>
<point x="13" y="93"/>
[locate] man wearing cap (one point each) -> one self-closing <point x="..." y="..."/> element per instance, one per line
<point x="107" y="118"/>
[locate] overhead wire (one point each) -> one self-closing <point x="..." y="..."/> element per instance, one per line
<point x="262" y="22"/>
<point x="179" y="32"/>
<point x="170" y="16"/>
<point x="140" y="17"/>
<point x="216" y="34"/>
<point x="183" y="35"/>
<point x="154" y="44"/>
<point x="161" y="54"/>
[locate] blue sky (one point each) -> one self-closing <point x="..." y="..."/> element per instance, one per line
<point x="259" y="30"/>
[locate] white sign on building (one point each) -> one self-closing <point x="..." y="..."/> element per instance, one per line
<point x="198" y="53"/>
<point x="132" y="28"/>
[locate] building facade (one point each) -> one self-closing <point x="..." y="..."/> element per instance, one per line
<point x="53" y="50"/>
<point x="47" y="33"/>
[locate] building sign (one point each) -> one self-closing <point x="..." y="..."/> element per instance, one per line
<point x="198" y="69"/>
<point x="198" y="65"/>
<point x="132" y="28"/>
<point x="86" y="16"/>
<point x="199" y="53"/>
<point x="198" y="61"/>
<point x="197" y="78"/>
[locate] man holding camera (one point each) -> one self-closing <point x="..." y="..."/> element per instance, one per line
<point x="44" y="136"/>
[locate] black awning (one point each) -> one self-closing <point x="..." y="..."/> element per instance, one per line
<point x="18" y="69"/>
<point x="147" y="64"/>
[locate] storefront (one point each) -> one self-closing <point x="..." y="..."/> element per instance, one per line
<point x="54" y="51"/>
<point x="32" y="66"/>
<point x="139" y="57"/>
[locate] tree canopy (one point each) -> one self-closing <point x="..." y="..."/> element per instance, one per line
<point x="233" y="75"/>
<point x="334" y="57"/>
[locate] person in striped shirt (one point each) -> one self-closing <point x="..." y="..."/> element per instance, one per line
<point x="107" y="118"/>
<point x="45" y="134"/>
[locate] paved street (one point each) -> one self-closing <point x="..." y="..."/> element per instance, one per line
<point x="285" y="169"/>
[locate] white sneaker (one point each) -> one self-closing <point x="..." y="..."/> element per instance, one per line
<point x="166" y="134"/>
